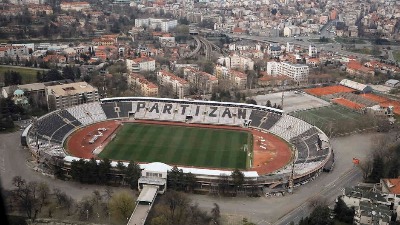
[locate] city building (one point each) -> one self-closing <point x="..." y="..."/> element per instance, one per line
<point x="74" y="6"/>
<point x="312" y="51"/>
<point x="67" y="95"/>
<point x="140" y="64"/>
<point x="238" y="78"/>
<point x="180" y="87"/>
<point x="237" y="62"/>
<point x="164" y="24"/>
<point x="297" y="72"/>
<point x="202" y="81"/>
<point x="145" y="87"/>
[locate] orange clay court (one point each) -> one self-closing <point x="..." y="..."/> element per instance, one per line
<point x="384" y="102"/>
<point x="319" y="91"/>
<point x="348" y="104"/>
<point x="269" y="155"/>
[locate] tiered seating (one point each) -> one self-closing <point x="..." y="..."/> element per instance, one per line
<point x="69" y="118"/>
<point x="200" y="117"/>
<point x="109" y="110"/>
<point x="154" y="110"/>
<point x="232" y="120"/>
<point x="271" y="120"/>
<point x="302" y="150"/>
<point x="95" y="111"/>
<point x="59" y="135"/>
<point x="309" y="140"/>
<point x="80" y="114"/>
<point x="125" y="108"/>
<point x="212" y="115"/>
<point x="288" y="127"/>
<point x="177" y="114"/>
<point x="46" y="126"/>
<point x="256" y="117"/>
<point x="141" y="114"/>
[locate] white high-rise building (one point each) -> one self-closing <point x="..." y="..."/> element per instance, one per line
<point x="297" y="72"/>
<point x="312" y="51"/>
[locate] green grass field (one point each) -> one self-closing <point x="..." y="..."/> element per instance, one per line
<point x="396" y="55"/>
<point x="176" y="145"/>
<point x="336" y="119"/>
<point x="28" y="74"/>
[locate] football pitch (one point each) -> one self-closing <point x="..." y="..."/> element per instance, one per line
<point x="335" y="119"/>
<point x="179" y="145"/>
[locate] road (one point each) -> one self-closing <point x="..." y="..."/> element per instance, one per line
<point x="303" y="41"/>
<point x="274" y="210"/>
<point x="329" y="191"/>
<point x="15" y="160"/>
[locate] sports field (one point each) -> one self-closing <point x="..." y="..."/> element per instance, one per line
<point x="178" y="145"/>
<point x="335" y="119"/>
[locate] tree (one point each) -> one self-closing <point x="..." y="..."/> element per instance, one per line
<point x="121" y="206"/>
<point x="377" y="169"/>
<point x="238" y="178"/>
<point x="251" y="101"/>
<point x="268" y="103"/>
<point x="342" y="212"/>
<point x="29" y="196"/>
<point x="274" y="11"/>
<point x="320" y="215"/>
<point x="132" y="174"/>
<point x="68" y="73"/>
<point x="216" y="214"/>
<point x="52" y="75"/>
<point x="12" y="78"/>
<point x="104" y="171"/>
<point x="175" y="178"/>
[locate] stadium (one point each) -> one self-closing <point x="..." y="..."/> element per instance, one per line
<point x="205" y="138"/>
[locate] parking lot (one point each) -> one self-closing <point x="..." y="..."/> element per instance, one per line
<point x="292" y="100"/>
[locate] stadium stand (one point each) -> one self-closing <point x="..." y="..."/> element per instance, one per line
<point x="94" y="111"/>
<point x="177" y="114"/>
<point x="59" y="135"/>
<point x="124" y="108"/>
<point x="198" y="113"/>
<point x="109" y="110"/>
<point x="68" y="118"/>
<point x="256" y="117"/>
<point x="229" y="117"/>
<point x="139" y="108"/>
<point x="153" y="110"/>
<point x="53" y="128"/>
<point x="288" y="127"/>
<point x="80" y="114"/>
<point x="271" y="120"/>
<point x="49" y="124"/>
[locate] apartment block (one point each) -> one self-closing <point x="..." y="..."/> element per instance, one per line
<point x="67" y="95"/>
<point x="179" y="86"/>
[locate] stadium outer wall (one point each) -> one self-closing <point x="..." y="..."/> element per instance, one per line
<point x="271" y="179"/>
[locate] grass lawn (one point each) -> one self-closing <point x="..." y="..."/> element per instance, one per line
<point x="28" y="74"/>
<point x="396" y="55"/>
<point x="367" y="51"/>
<point x="335" y="118"/>
<point x="177" y="145"/>
<point x="349" y="40"/>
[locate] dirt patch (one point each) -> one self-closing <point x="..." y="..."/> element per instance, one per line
<point x="270" y="155"/>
